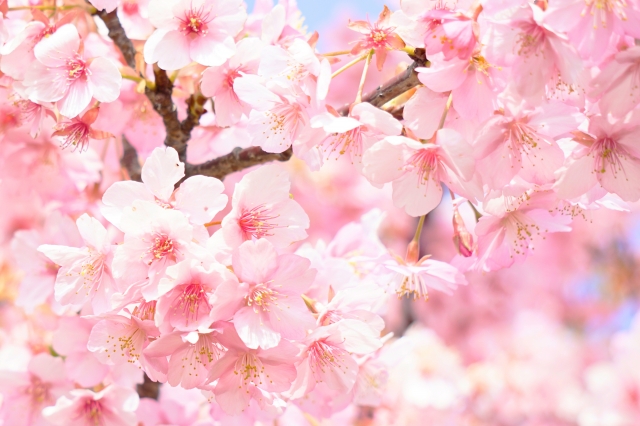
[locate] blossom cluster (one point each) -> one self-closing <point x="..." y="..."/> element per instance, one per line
<point x="524" y="113"/>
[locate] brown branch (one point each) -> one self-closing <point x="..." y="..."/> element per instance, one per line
<point x="238" y="159"/>
<point x="119" y="37"/>
<point x="129" y="160"/>
<point x="395" y="87"/>
<point x="148" y="388"/>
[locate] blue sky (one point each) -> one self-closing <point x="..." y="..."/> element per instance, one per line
<point x="317" y="13"/>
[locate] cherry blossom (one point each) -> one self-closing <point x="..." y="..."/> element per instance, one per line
<point x="265" y="302"/>
<point x="27" y="393"/>
<point x="262" y="208"/>
<point x="132" y="292"/>
<point x="78" y="131"/>
<point x="417" y="170"/>
<point x="115" y="405"/>
<point x="605" y="156"/>
<point x="84" y="274"/>
<point x="353" y="135"/>
<point x="242" y="373"/>
<point x="193" y="30"/>
<point x="217" y="82"/>
<point x="378" y="37"/>
<point x="62" y="74"/>
<point x="160" y="173"/>
<point x="327" y="356"/>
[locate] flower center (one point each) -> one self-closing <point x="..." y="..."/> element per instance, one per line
<point x="145" y="310"/>
<point x="38" y="390"/>
<point x="257" y="222"/>
<point x="250" y="369"/>
<point x="601" y="10"/>
<point x="262" y="297"/>
<point x="74" y="133"/>
<point x="77" y="68"/>
<point x="323" y="357"/>
<point x="425" y="163"/>
<point x="608" y="154"/>
<point x="413" y="286"/>
<point x="92" y="411"/>
<point x="192" y="300"/>
<point x="130" y="7"/>
<point x="195" y="22"/>
<point x="162" y="247"/>
<point x="349" y="141"/>
<point x="282" y="122"/>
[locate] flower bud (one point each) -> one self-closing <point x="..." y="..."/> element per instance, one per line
<point x="462" y="238"/>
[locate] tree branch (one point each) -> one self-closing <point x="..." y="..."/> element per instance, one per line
<point x="119" y="37"/>
<point x="129" y="160"/>
<point x="160" y="96"/>
<point x="395" y="87"/>
<point x="238" y="159"/>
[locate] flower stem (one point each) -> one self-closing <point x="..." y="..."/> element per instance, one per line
<point x="446" y="110"/>
<point x="416" y="237"/>
<point x="349" y="65"/>
<point x="41" y="7"/>
<point x="364" y="77"/>
<point x="337" y="53"/>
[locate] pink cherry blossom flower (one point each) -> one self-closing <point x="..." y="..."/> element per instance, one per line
<point x="113" y="405"/>
<point x="327" y="356"/>
<point x="243" y="374"/>
<point x="592" y="25"/>
<point x="134" y="16"/>
<point x="155" y="238"/>
<point x="472" y="81"/>
<point x="191" y="355"/>
<point x="607" y="155"/>
<point x="61" y="74"/>
<point x="199" y="198"/>
<point x="193" y="30"/>
<point x="18" y="52"/>
<point x="379" y="36"/>
<point x="217" y="82"/>
<point x="266" y="305"/>
<point x="535" y="53"/>
<point x="295" y="67"/>
<point x="450" y="32"/>
<point x="78" y="131"/>
<point x="262" y="208"/>
<point x="276" y="120"/>
<point x="35" y="114"/>
<point x="119" y="339"/>
<point x="415" y="276"/>
<point x="357" y="303"/>
<point x="521" y="140"/>
<point x="25" y="394"/>
<point x="616" y="87"/>
<point x="184" y="295"/>
<point x="85" y="274"/>
<point x="354" y="134"/>
<point x="511" y="225"/>
<point x="40" y="272"/>
<point x="417" y="169"/>
<point x="70" y="340"/>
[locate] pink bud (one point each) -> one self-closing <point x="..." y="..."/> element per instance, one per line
<point x="462" y="238"/>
